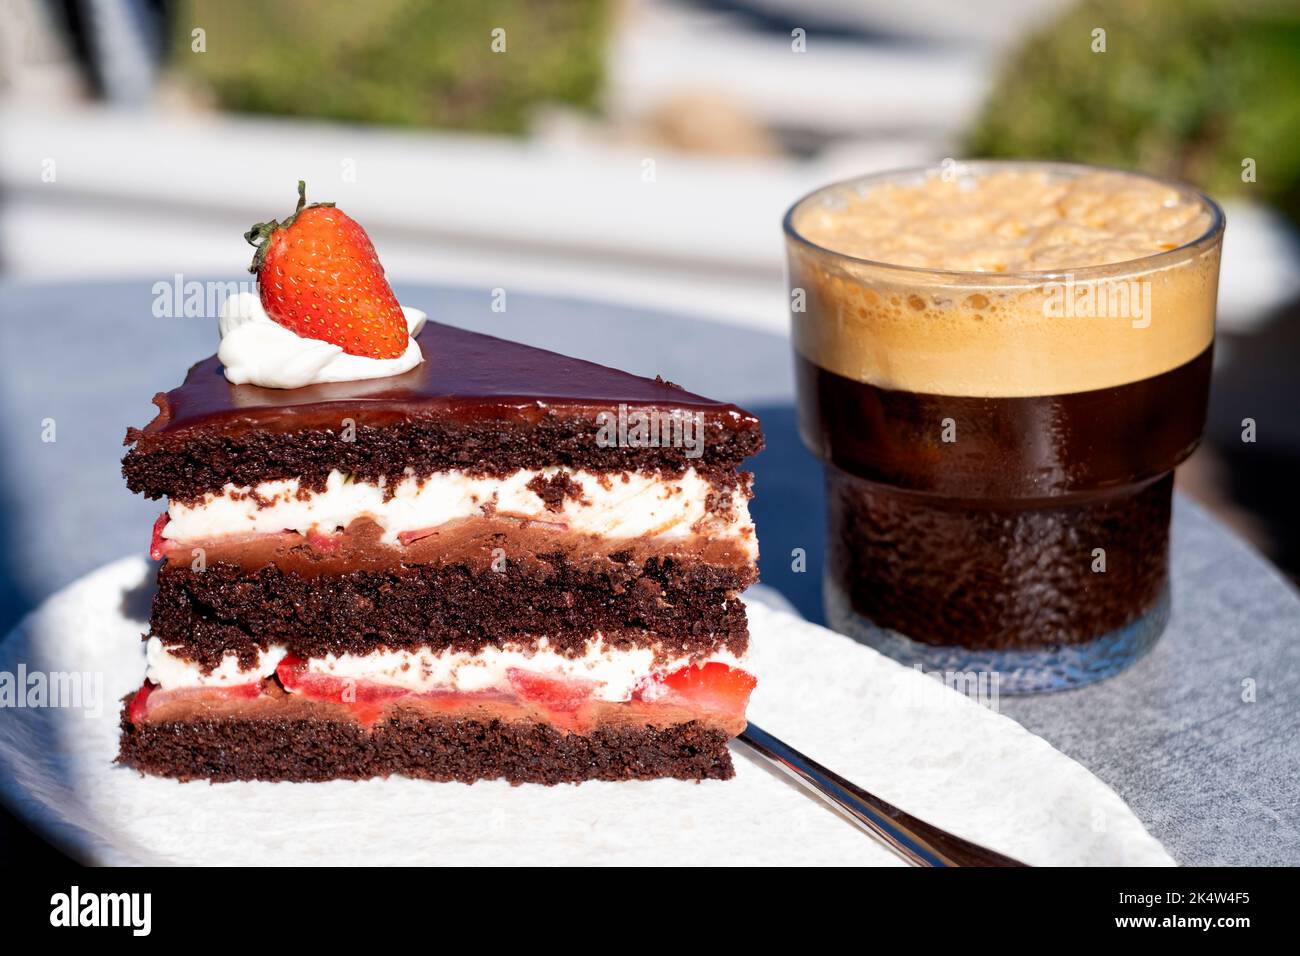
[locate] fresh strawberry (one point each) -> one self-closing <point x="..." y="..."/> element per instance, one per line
<point x="319" y="277"/>
<point x="713" y="687"/>
<point x="158" y="544"/>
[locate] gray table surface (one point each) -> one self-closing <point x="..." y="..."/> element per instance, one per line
<point x="1200" y="737"/>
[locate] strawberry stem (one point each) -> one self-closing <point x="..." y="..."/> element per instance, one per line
<point x="259" y="233"/>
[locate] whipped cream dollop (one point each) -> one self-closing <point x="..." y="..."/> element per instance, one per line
<point x="256" y="350"/>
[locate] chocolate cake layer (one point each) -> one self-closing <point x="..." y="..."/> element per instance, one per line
<point x="309" y="748"/>
<point x="477" y="403"/>
<point x="224" y="609"/>
<point x="210" y="459"/>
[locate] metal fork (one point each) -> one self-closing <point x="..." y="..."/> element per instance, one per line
<point x="916" y="841"/>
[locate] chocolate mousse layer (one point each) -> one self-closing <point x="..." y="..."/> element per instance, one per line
<point x="684" y="605"/>
<point x="477" y="403"/>
<point x="487" y="544"/>
<point x="303" y="743"/>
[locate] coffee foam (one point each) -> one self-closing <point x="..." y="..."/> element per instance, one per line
<point x="1012" y="220"/>
<point x="1006" y="336"/>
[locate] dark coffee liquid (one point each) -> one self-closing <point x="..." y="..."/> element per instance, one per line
<point x="997" y="538"/>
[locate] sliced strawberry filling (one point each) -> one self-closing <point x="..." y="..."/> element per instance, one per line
<point x="713" y="689"/>
<point x="367" y="699"/>
<point x="552" y="692"/>
<point x="151" y="696"/>
<point x="566" y="702"/>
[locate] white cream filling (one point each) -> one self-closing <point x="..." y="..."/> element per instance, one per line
<point x="171" y="672"/>
<point x="256" y="350"/>
<point x="615" y="674"/>
<point x="626" y="505"/>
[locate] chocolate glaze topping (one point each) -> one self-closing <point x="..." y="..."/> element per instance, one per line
<point x="465" y="375"/>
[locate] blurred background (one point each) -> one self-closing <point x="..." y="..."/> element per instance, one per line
<point x="634" y="152"/>
<point x="515" y="144"/>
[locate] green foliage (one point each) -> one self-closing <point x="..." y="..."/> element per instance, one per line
<point x="1185" y="88"/>
<point x="398" y="62"/>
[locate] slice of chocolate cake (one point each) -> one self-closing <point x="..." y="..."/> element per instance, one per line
<point x="485" y="560"/>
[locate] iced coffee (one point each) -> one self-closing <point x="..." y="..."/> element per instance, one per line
<point x="1000" y="365"/>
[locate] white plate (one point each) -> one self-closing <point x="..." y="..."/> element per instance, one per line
<point x="891" y="730"/>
